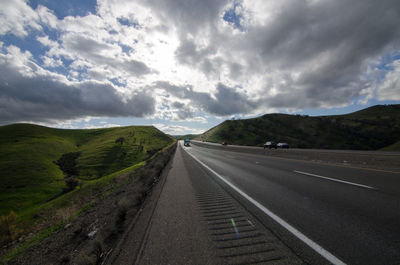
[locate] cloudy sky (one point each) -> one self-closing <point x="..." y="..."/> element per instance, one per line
<point x="187" y="65"/>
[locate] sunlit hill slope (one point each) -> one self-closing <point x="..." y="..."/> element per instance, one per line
<point x="31" y="166"/>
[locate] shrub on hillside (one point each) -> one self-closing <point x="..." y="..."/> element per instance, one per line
<point x="120" y="140"/>
<point x="67" y="163"/>
<point x="8" y="228"/>
<point x="71" y="183"/>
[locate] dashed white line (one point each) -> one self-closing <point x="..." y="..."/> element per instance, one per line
<point x="324" y="253"/>
<point x="336" y="180"/>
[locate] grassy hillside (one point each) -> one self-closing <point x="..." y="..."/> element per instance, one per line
<point x="30" y="176"/>
<point x="369" y="129"/>
<point x="187" y="136"/>
<point x="393" y="147"/>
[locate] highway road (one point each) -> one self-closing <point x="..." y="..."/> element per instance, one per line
<point x="347" y="215"/>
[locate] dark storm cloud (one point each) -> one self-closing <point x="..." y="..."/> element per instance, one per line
<point x="327" y="46"/>
<point x="330" y="43"/>
<point x="227" y="100"/>
<point x="348" y="29"/>
<point x="189" y="53"/>
<point x="183" y="111"/>
<point x="191" y="16"/>
<point x="46" y="98"/>
<point x="178" y="105"/>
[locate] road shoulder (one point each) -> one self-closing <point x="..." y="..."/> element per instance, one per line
<point x="191" y="219"/>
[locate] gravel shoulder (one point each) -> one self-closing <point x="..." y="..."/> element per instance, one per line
<point x="169" y="229"/>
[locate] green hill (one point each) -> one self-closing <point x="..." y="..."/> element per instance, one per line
<point x="393" y="147"/>
<point x="30" y="156"/>
<point x="373" y="128"/>
<point x="187" y="136"/>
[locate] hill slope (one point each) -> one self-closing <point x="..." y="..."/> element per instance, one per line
<point x="186" y="136"/>
<point x="393" y="147"/>
<point x="369" y="129"/>
<point x="30" y="176"/>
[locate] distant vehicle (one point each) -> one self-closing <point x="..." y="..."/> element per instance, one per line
<point x="283" y="145"/>
<point x="186" y="142"/>
<point x="270" y="144"/>
<point x="224" y="143"/>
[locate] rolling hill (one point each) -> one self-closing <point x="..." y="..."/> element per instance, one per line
<point x="186" y="136"/>
<point x="34" y="160"/>
<point x="373" y="128"/>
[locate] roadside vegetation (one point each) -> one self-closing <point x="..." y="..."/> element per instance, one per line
<point x="373" y="128"/>
<point x="51" y="175"/>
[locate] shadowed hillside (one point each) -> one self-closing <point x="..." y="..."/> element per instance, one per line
<point x="373" y="128"/>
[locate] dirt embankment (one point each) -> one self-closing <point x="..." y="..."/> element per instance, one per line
<point x="389" y="161"/>
<point x="90" y="238"/>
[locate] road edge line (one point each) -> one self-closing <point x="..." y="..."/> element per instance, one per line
<point x="335" y="180"/>
<point x="320" y="250"/>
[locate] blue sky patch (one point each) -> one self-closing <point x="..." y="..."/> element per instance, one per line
<point x="29" y="43"/>
<point x="116" y="82"/>
<point x="67" y="7"/>
<point x="127" y="22"/>
<point x="232" y="16"/>
<point x="125" y="48"/>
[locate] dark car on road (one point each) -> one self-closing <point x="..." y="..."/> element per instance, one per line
<point x="283" y="145"/>
<point x="270" y="144"/>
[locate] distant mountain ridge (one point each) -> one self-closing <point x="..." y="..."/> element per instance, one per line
<point x="372" y="128"/>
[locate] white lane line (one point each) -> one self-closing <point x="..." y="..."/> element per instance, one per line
<point x="336" y="180"/>
<point x="324" y="253"/>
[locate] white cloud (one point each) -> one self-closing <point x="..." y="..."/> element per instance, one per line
<point x="197" y="119"/>
<point x="177" y="129"/>
<point x="51" y="62"/>
<point x="107" y="125"/>
<point x="17" y="17"/>
<point x="30" y="93"/>
<point x="45" y="41"/>
<point x="389" y="89"/>
<point x="47" y="17"/>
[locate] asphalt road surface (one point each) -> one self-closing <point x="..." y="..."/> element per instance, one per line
<point x="347" y="215"/>
<point x="188" y="218"/>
